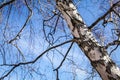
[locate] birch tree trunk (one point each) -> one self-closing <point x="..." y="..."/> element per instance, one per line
<point x="97" y="54"/>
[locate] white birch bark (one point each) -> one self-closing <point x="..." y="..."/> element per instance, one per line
<point x="97" y="55"/>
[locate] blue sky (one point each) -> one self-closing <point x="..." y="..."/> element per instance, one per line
<point x="32" y="43"/>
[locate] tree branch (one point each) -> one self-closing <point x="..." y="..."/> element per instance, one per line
<point x="118" y="14"/>
<point x="97" y="54"/>
<point x="57" y="69"/>
<point x="18" y="34"/>
<point x="103" y="16"/>
<point x="64" y="57"/>
<point x="116" y="42"/>
<point x="33" y="61"/>
<point x="7" y="3"/>
<point x="114" y="49"/>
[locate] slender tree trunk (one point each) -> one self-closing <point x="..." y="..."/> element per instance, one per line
<point x="97" y="54"/>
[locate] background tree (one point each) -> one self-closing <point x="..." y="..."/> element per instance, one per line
<point x="36" y="43"/>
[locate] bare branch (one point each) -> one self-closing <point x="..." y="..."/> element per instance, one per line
<point x="57" y="69"/>
<point x="103" y="16"/>
<point x="64" y="56"/>
<point x="114" y="49"/>
<point x="52" y="27"/>
<point x="33" y="61"/>
<point x="20" y="52"/>
<point x="7" y="3"/>
<point x="116" y="42"/>
<point x="18" y="34"/>
<point x="116" y="13"/>
<point x="44" y="26"/>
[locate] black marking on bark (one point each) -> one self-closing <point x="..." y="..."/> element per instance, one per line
<point x="74" y="24"/>
<point x="91" y="45"/>
<point x="94" y="63"/>
<point x="103" y="51"/>
<point x="89" y="49"/>
<point x="108" y="67"/>
<point x="112" y="78"/>
<point x="118" y="77"/>
<point x="67" y="1"/>
<point x="102" y="62"/>
<point x="76" y="38"/>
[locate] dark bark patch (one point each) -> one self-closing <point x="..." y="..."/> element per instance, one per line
<point x="112" y="78"/>
<point x="89" y="49"/>
<point x="118" y="77"/>
<point x="94" y="63"/>
<point x="108" y="67"/>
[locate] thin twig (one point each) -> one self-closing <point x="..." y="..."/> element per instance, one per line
<point x="116" y="42"/>
<point x="57" y="69"/>
<point x="7" y="3"/>
<point x="103" y="16"/>
<point x="45" y="25"/>
<point x="29" y="16"/>
<point x="33" y="61"/>
<point x="118" y="14"/>
<point x="114" y="49"/>
<point x="64" y="57"/>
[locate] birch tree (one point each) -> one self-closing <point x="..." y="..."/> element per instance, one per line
<point x="37" y="37"/>
<point x="96" y="53"/>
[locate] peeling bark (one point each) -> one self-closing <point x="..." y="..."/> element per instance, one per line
<point x="97" y="54"/>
